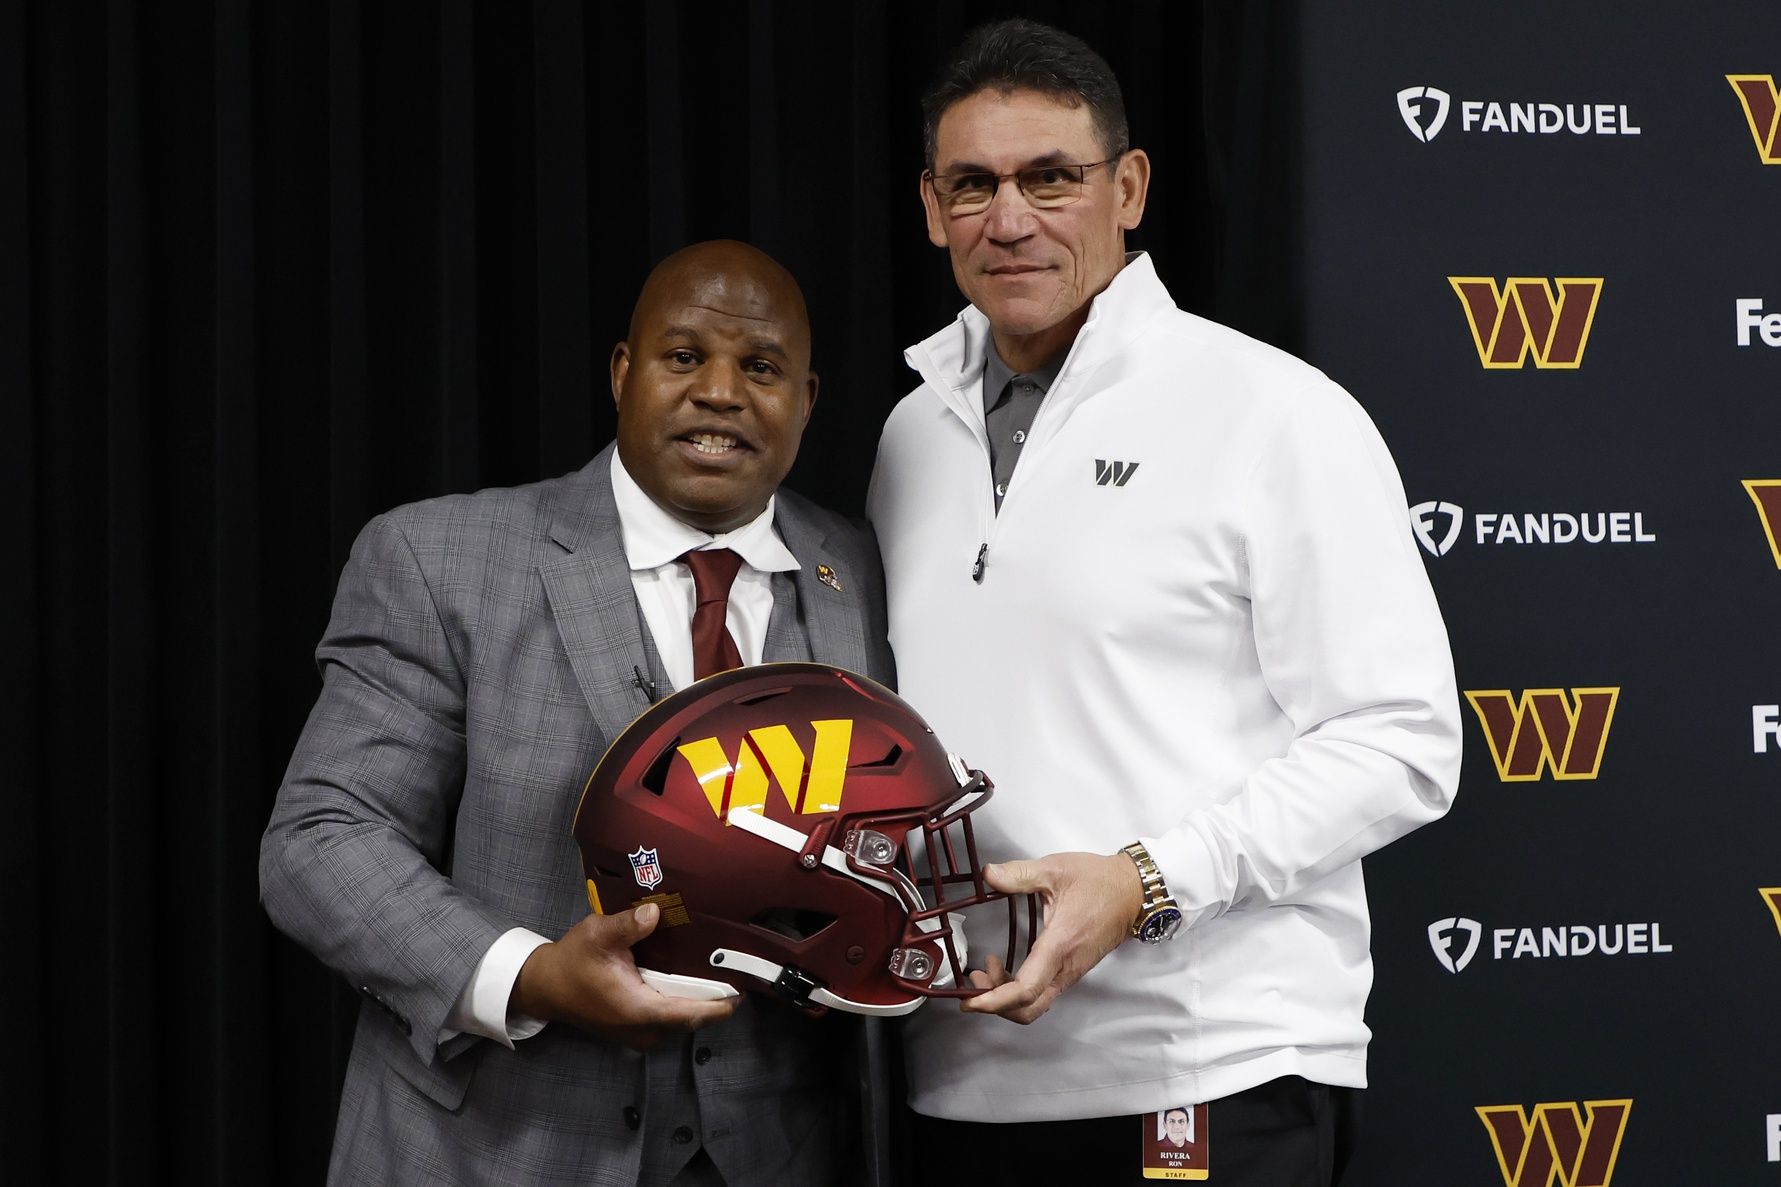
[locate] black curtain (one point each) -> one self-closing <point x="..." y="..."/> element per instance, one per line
<point x="269" y="268"/>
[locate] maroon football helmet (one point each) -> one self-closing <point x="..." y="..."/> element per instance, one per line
<point x="803" y="832"/>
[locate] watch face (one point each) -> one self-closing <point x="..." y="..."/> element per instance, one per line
<point x="1160" y="926"/>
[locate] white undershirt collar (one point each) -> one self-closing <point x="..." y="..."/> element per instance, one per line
<point x="654" y="538"/>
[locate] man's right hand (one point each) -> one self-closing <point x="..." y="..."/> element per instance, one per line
<point x="589" y="980"/>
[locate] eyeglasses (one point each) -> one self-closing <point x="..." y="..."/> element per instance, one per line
<point x="1045" y="186"/>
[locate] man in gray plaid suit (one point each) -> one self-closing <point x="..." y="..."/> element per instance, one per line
<point x="483" y="651"/>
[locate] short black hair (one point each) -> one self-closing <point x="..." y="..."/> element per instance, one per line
<point x="1024" y="55"/>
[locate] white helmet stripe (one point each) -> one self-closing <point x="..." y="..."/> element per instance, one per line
<point x="751" y="821"/>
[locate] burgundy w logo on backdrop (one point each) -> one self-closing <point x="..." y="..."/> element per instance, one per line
<point x="1762" y="108"/>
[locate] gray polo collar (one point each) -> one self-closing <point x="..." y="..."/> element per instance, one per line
<point x="996" y="375"/>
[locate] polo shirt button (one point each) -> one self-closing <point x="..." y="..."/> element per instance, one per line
<point x="1019" y="436"/>
<point x="682" y="1135"/>
<point x="633" y="1119"/>
<point x="702" y="1055"/>
<point x="1001" y="489"/>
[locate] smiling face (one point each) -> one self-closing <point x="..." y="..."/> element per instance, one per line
<point x="713" y="384"/>
<point x="1033" y="272"/>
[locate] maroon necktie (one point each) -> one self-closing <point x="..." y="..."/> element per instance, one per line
<point x="714" y="570"/>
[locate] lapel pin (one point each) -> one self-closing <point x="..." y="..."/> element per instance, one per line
<point x="827" y="576"/>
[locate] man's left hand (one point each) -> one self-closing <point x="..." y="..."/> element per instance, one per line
<point x="1089" y="902"/>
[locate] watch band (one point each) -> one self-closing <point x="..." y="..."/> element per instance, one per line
<point x="1159" y="917"/>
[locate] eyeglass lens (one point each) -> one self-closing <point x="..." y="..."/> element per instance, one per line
<point x="1050" y="185"/>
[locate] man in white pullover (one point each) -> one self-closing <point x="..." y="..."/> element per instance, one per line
<point x="1153" y="576"/>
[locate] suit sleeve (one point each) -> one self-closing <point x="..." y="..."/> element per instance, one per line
<point x="350" y="865"/>
<point x="1354" y="651"/>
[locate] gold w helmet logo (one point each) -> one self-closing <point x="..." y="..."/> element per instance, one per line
<point x="1525" y="317"/>
<point x="1557" y="1144"/>
<point x="810" y="783"/>
<point x="1762" y="107"/>
<point x="1545" y="728"/>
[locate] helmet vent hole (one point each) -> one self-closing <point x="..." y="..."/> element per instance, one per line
<point x="889" y="760"/>
<point x="655" y="779"/>
<point x="792" y="923"/>
<point x="763" y="696"/>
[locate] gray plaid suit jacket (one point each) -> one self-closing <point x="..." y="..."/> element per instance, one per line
<point x="483" y="651"/>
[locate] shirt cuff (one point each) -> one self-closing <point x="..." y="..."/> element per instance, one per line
<point x="481" y="1009"/>
<point x="1189" y="871"/>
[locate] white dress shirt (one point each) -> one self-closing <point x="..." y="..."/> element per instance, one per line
<point x="654" y="541"/>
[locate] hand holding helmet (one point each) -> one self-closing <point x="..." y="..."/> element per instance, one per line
<point x="589" y="979"/>
<point x="803" y="833"/>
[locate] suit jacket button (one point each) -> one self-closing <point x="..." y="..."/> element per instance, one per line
<point x="682" y="1135"/>
<point x="633" y="1119"/>
<point x="702" y="1055"/>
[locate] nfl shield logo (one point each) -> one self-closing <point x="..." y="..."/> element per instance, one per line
<point x="646" y="867"/>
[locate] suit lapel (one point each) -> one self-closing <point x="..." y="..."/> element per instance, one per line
<point x="784" y="640"/>
<point x="832" y="618"/>
<point x="595" y="605"/>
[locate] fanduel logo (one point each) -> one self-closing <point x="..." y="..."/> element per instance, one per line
<point x="1581" y="119"/>
<point x="1766" y="494"/>
<point x="1775" y="1137"/>
<point x="1762" y="108"/>
<point x="1422" y="522"/>
<point x="1441" y="937"/>
<point x="1562" y="527"/>
<point x="1544" y="729"/>
<point x="1557" y="1144"/>
<point x="1578" y="939"/>
<point x="1524" y="318"/>
<point x="1437" y="526"/>
<point x="1424" y="110"/>
<point x="1543" y="942"/>
<point x="1753" y="323"/>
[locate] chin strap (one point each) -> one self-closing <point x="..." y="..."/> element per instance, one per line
<point x="679" y="985"/>
<point x="802" y="989"/>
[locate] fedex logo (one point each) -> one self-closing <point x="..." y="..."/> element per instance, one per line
<point x="1765" y="723"/>
<point x="1753" y="323"/>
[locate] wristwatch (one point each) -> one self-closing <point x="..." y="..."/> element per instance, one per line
<point x="1159" y="918"/>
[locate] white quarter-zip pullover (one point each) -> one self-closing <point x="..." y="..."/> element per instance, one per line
<point x="1200" y="621"/>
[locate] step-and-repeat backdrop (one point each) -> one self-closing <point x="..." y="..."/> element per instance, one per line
<point x="1543" y="248"/>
